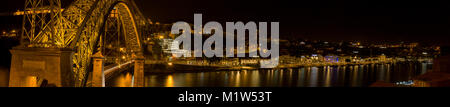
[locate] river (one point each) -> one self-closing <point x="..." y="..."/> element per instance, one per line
<point x="328" y="76"/>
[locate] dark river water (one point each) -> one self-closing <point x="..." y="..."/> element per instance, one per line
<point x="338" y="76"/>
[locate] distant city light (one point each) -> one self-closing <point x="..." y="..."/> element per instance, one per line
<point x="410" y="82"/>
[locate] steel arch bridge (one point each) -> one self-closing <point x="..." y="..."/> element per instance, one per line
<point x="112" y="28"/>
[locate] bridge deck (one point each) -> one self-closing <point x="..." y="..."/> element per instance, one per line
<point x="111" y="70"/>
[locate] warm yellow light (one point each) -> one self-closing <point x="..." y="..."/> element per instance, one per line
<point x="31" y="81"/>
<point x="161" y="37"/>
<point x="170" y="63"/>
<point x="169" y="81"/>
<point x="18" y="13"/>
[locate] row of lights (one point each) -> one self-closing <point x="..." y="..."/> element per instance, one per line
<point x="11" y="33"/>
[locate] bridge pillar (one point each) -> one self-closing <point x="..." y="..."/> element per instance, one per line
<point x="98" y="75"/>
<point x="34" y="67"/>
<point x="139" y="71"/>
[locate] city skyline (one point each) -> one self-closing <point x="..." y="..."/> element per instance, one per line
<point x="208" y="52"/>
<point x="128" y="43"/>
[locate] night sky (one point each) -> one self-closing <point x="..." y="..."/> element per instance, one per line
<point x="322" y="20"/>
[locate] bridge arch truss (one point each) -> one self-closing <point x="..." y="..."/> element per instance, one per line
<point x="81" y="27"/>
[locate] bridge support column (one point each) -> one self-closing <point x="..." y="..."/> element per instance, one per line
<point x="98" y="75"/>
<point x="34" y="67"/>
<point x="139" y="72"/>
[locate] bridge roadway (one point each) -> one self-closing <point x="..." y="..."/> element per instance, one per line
<point x="113" y="69"/>
<point x="101" y="73"/>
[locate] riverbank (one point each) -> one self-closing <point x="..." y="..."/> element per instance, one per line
<point x="167" y="68"/>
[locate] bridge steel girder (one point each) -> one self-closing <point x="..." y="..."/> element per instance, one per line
<point x="79" y="28"/>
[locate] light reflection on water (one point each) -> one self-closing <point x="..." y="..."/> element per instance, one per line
<point x="339" y="76"/>
<point x="169" y="82"/>
<point x="124" y="80"/>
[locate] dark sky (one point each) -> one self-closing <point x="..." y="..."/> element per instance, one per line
<point x="410" y="20"/>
